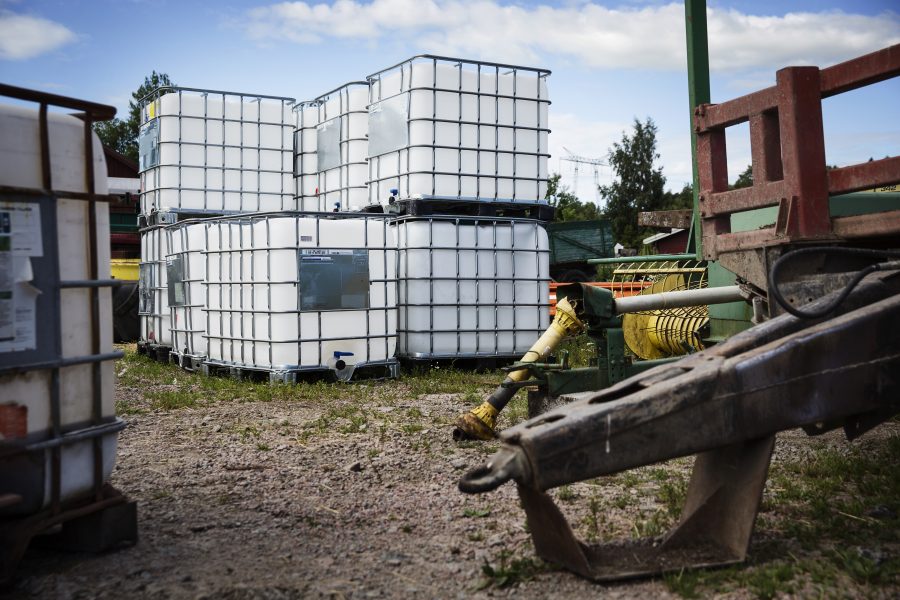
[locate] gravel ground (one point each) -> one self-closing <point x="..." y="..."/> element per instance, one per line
<point x="246" y="500"/>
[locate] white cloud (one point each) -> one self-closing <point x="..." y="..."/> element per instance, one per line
<point x="650" y="37"/>
<point x="23" y="36"/>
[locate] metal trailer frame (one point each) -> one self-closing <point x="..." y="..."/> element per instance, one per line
<point x="105" y="517"/>
<point x="788" y="160"/>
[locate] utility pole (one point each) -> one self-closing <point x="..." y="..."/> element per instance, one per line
<point x="596" y="163"/>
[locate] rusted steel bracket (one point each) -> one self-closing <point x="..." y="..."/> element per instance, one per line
<point x="788" y="159"/>
<point x="724" y="404"/>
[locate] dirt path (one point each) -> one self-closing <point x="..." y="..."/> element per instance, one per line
<point x="286" y="499"/>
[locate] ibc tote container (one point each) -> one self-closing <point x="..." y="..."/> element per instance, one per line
<point x="470" y="286"/>
<point x="342" y="147"/>
<point x="306" y="174"/>
<point x="153" y="288"/>
<point x="205" y="151"/>
<point x="449" y="128"/>
<point x="301" y="292"/>
<point x="58" y="427"/>
<point x="186" y="290"/>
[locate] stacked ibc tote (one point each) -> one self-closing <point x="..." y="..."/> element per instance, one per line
<point x="458" y="150"/>
<point x="233" y="277"/>
<point x="400" y="217"/>
<point x="203" y="153"/>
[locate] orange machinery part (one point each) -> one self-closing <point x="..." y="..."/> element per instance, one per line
<point x="620" y="289"/>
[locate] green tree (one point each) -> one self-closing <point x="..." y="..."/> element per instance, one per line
<point x="745" y="179"/>
<point x="682" y="200"/>
<point x="639" y="184"/>
<point x="122" y="134"/>
<point x="568" y="206"/>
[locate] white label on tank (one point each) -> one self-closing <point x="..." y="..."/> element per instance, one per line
<point x="332" y="279"/>
<point x="24" y="226"/>
<point x="20" y="239"/>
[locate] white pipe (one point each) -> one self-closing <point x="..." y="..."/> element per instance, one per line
<point x="700" y="297"/>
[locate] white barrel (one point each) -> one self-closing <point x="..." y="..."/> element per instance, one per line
<point x="455" y="129"/>
<point x="300" y="292"/>
<point x="43" y="242"/>
<point x="306" y="173"/>
<point x="185" y="279"/>
<point x="206" y="151"/>
<point x="153" y="288"/>
<point x="471" y="286"/>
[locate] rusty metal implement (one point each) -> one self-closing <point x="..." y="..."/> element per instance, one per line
<point x="724" y="404"/>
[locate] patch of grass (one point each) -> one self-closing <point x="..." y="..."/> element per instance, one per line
<point x="262" y="447"/>
<point x="582" y="350"/>
<point x="127" y="407"/>
<point x="473" y="398"/>
<point x="629" y="479"/>
<point x="592" y="520"/>
<point x="171" y="399"/>
<point x="672" y="494"/>
<point x="565" y="493"/>
<point x="656" y="524"/>
<point x="516" y="411"/>
<point x="817" y="535"/>
<point x="479" y="513"/>
<point x="509" y="570"/>
<point x="685" y="583"/>
<point x="438" y="380"/>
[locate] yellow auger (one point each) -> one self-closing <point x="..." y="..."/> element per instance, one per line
<point x="479" y="422"/>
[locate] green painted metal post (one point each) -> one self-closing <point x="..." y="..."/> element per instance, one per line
<point x="698" y="90"/>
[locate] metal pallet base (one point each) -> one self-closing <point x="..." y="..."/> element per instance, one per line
<point x="93" y="525"/>
<point x="389" y="370"/>
<point x="170" y="217"/>
<point x="472" y="208"/>
<point x="187" y="362"/>
<point x="157" y="352"/>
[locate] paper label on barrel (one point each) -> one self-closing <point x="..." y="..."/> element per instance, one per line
<point x="20" y="239"/>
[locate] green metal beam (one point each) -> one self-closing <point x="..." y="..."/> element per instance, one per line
<point x="647" y="258"/>
<point x="698" y="90"/>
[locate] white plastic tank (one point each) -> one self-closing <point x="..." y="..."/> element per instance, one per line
<point x="47" y="322"/>
<point x="342" y="147"/>
<point x="301" y="292"/>
<point x="153" y="288"/>
<point x="185" y="279"/>
<point x="306" y="174"/>
<point x="470" y="286"/>
<point x="458" y="129"/>
<point x="209" y="151"/>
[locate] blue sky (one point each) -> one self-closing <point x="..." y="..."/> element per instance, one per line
<point x="612" y="61"/>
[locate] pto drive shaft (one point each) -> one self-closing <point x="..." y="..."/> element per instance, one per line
<point x="479" y="422"/>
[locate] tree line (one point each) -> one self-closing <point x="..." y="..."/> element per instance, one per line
<point x="638" y="186"/>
